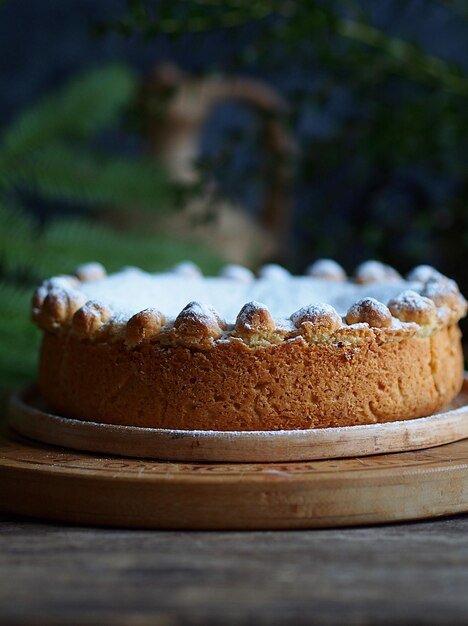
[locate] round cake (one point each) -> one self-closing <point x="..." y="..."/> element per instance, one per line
<point x="236" y="351"/>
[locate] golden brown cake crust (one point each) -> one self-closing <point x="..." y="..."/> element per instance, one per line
<point x="324" y="351"/>
<point x="290" y="385"/>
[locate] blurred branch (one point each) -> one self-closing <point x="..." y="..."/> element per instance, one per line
<point x="174" y="18"/>
<point x="295" y="23"/>
<point x="456" y="7"/>
<point x="416" y="63"/>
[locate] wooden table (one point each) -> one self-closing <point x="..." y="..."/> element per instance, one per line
<point x="396" y="574"/>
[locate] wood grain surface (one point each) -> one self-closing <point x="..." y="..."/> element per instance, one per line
<point x="387" y="575"/>
<point x="29" y="416"/>
<point x="70" y="486"/>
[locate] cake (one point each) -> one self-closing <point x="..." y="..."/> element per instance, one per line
<point x="179" y="350"/>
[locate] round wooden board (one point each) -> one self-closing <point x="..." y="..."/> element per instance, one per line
<point x="29" y="417"/>
<point x="43" y="481"/>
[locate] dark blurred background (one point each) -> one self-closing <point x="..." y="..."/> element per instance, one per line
<point x="149" y="132"/>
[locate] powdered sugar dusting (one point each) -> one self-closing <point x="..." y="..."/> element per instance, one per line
<point x="369" y="310"/>
<point x="90" y="271"/>
<point x="373" y="271"/>
<point x="61" y="282"/>
<point x="248" y="312"/>
<point x="377" y="306"/>
<point x="273" y="271"/>
<point x="326" y="268"/>
<point x="199" y="311"/>
<point x="188" y="269"/>
<point x="413" y="301"/>
<point x="314" y="311"/>
<point x="237" y="272"/>
<point x="423" y="273"/>
<point x="133" y="290"/>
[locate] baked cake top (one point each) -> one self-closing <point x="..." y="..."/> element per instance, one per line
<point x="183" y="307"/>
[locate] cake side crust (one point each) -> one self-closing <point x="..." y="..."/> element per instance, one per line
<point x="290" y="385"/>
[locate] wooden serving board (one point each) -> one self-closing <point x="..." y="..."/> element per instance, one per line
<point x="53" y="483"/>
<point x="29" y="416"/>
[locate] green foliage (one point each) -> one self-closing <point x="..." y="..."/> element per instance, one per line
<point x="48" y="149"/>
<point x="19" y="339"/>
<point x="48" y="154"/>
<point x="82" y="175"/>
<point x="84" y="106"/>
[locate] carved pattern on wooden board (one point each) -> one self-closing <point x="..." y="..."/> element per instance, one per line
<point x="47" y="482"/>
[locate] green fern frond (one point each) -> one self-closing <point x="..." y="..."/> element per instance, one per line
<point x="44" y="149"/>
<point x="77" y="110"/>
<point x="80" y="175"/>
<point x="18" y="239"/>
<point x="69" y="242"/>
<point x="19" y="339"/>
